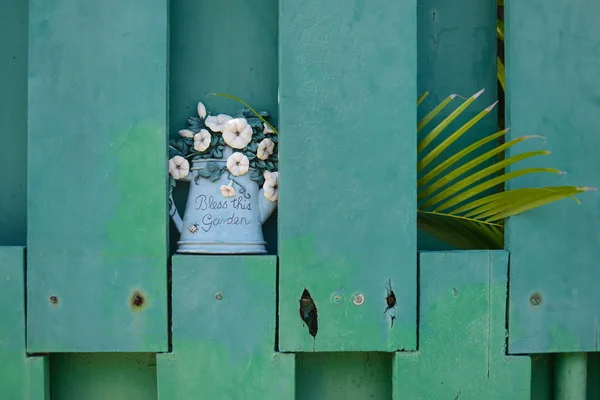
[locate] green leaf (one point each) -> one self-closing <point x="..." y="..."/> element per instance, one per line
<point x="204" y="172"/>
<point x="500" y="68"/>
<point x="470" y="179"/>
<point x="421" y="98"/>
<point x="432" y="114"/>
<point x="212" y="166"/>
<point x="438" y="129"/>
<point x="261" y="164"/>
<point x="218" y="152"/>
<point x="429" y="157"/>
<point x="454" y="207"/>
<point x="500" y="29"/>
<point x="252" y="147"/>
<point x="255" y="123"/>
<point x="216" y="175"/>
<point x="482" y="187"/>
<point x="214" y="140"/>
<point x="462" y="153"/>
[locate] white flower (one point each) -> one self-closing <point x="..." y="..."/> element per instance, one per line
<point x="238" y="164"/>
<point x="179" y="167"/>
<point x="202" y="140"/>
<point x="271" y="185"/>
<point x="265" y="149"/>
<point x="201" y="110"/>
<point x="216" y="124"/>
<point x="186" y="133"/>
<point x="227" y="190"/>
<point x="237" y="133"/>
<point x="267" y="129"/>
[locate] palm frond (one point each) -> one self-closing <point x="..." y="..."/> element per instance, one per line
<point x="452" y="201"/>
<point x="500" y="73"/>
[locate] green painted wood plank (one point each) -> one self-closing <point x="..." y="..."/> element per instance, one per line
<point x="21" y="377"/>
<point x="347" y="222"/>
<point x="456" y="47"/>
<point x="348" y="376"/>
<point x="552" y="87"/>
<point x="223" y="328"/>
<point x="101" y="376"/>
<point x="97" y="206"/>
<point x="571" y="376"/>
<point x="542" y="377"/>
<point x="13" y="122"/>
<point x="462" y="333"/>
<point x="199" y="65"/>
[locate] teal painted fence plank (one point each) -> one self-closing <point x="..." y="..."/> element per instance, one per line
<point x="94" y="376"/>
<point x="224" y="332"/>
<point x="348" y="376"/>
<point x="21" y="377"/>
<point x="240" y="59"/>
<point x="13" y="122"/>
<point x="97" y="205"/>
<point x="456" y="54"/>
<point x="542" y="377"/>
<point x="553" y="55"/>
<point x="462" y="332"/>
<point x="347" y="224"/>
<point x="571" y="376"/>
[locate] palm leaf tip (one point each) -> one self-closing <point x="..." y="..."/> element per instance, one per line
<point x="476" y="95"/>
<point x="491" y="107"/>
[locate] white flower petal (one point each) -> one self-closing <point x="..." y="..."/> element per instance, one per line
<point x="202" y="140"/>
<point x="237" y="133"/>
<point x="271" y="185"/>
<point x="227" y="191"/>
<point x="267" y="129"/>
<point x="265" y="149"/>
<point x="216" y="124"/>
<point x="179" y="167"/>
<point x="186" y="133"/>
<point x="201" y="110"/>
<point x="238" y="164"/>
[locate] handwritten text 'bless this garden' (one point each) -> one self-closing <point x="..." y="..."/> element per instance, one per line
<point x="208" y="203"/>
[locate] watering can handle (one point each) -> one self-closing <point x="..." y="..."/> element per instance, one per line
<point x="175" y="214"/>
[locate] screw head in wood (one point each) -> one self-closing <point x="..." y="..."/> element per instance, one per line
<point x="358" y="299"/>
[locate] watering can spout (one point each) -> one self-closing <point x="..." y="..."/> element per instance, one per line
<point x="265" y="206"/>
<point x="175" y="215"/>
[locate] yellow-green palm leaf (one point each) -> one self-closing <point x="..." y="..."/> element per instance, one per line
<point x="452" y="202"/>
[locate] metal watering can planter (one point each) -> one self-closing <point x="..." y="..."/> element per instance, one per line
<point x="233" y="182"/>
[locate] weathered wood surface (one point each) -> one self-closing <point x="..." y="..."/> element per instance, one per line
<point x="462" y="333"/>
<point x="553" y="86"/>
<point x="223" y="312"/>
<point x="347" y="223"/>
<point x="21" y="377"/>
<point x="97" y="177"/>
